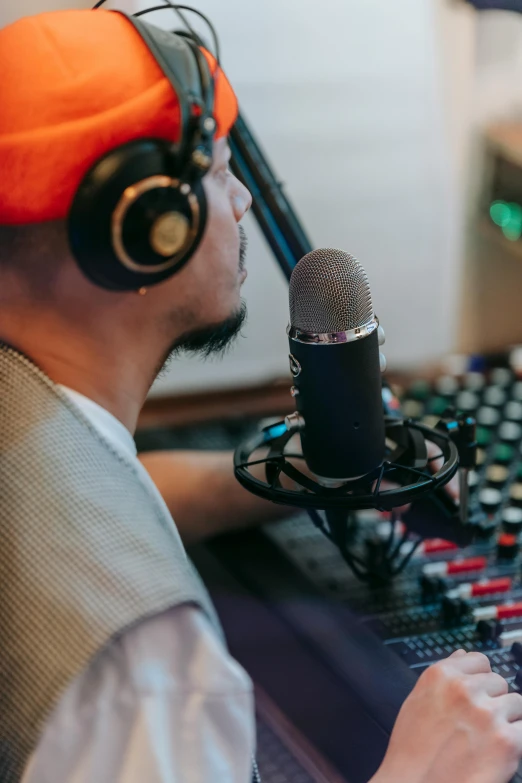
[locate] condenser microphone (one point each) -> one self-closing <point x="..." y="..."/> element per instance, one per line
<point x="358" y="457"/>
<point x="335" y="363"/>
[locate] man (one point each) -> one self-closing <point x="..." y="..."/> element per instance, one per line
<point x="112" y="667"/>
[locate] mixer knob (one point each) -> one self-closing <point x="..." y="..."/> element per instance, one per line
<point x="501" y="376"/>
<point x="512" y="520"/>
<point x="516" y="391"/>
<point x="507" y="546"/>
<point x="503" y="453"/>
<point x="467" y="402"/>
<point x="513" y="411"/>
<point x="483" y="436"/>
<point x="447" y="386"/>
<point x="474" y="381"/>
<point x="509" y="431"/>
<point x="412" y="409"/>
<point x="420" y="390"/>
<point x="488" y="417"/>
<point x="495" y="396"/>
<point x="490" y="499"/>
<point x="515" y="494"/>
<point x="497" y="475"/>
<point x="437" y="406"/>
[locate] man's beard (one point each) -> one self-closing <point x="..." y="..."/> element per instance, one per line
<point x="217" y="338"/>
<point x="211" y="340"/>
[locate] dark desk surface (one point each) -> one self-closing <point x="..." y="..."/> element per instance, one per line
<point x="334" y="681"/>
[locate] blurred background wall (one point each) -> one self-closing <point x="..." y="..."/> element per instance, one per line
<point x="370" y="112"/>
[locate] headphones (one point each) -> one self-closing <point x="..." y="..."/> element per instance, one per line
<point x="140" y="212"/>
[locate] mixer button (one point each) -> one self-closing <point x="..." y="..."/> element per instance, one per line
<point x="454" y="611"/>
<point x="489" y="630"/>
<point x="508" y="638"/>
<point x="494" y="396"/>
<point x="512" y="520"/>
<point x="518" y="680"/>
<point x="432" y="546"/>
<point x="501" y="584"/>
<point x="451" y="567"/>
<point x="502" y="612"/>
<point x="488" y="417"/>
<point x="516" y="652"/>
<point x="432" y="587"/>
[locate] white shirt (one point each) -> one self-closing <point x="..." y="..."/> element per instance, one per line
<point x="165" y="703"/>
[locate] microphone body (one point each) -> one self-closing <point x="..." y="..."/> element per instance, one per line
<point x="338" y="391"/>
<point x="334" y="358"/>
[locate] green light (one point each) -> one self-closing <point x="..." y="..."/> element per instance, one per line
<point x="508" y="217"/>
<point x="513" y="229"/>
<point x="513" y="233"/>
<point x="500" y="213"/>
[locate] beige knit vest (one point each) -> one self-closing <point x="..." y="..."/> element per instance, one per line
<point x="85" y="551"/>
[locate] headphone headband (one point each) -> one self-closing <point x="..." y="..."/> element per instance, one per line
<point x="189" y="74"/>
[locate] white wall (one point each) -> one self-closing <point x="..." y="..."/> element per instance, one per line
<point x="349" y="104"/>
<point x="498" y="67"/>
<point x="352" y="103"/>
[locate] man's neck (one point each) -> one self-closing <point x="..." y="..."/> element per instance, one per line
<point x="118" y="380"/>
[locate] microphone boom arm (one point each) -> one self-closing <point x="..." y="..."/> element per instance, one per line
<point x="272" y="209"/>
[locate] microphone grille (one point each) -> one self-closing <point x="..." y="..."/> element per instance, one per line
<point x="329" y="292"/>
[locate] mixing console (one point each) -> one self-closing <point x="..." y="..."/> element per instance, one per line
<point x="447" y="598"/>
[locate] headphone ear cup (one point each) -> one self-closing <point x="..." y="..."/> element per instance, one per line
<point x="132" y="222"/>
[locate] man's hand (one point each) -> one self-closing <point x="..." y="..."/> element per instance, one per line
<point x="458" y="724"/>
